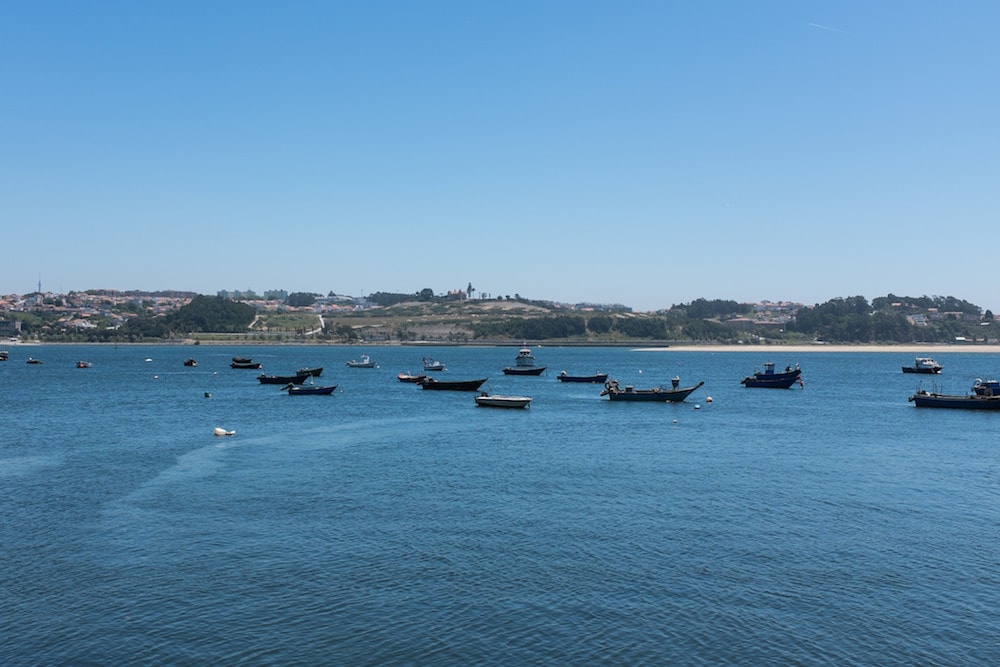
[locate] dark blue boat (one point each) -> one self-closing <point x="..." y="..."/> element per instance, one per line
<point x="282" y="379"/>
<point x="985" y="395"/>
<point x="597" y="378"/>
<point x="769" y="379"/>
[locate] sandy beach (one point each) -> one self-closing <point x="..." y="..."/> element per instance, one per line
<point x="928" y="350"/>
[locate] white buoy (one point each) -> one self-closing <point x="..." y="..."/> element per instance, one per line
<point x="697" y="407"/>
<point x="708" y="399"/>
<point x="221" y="431"/>
<point x="675" y="421"/>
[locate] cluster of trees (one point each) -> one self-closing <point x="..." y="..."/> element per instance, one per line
<point x="202" y="314"/>
<point x="671" y="326"/>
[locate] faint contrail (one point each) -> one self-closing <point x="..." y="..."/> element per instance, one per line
<point x="826" y="27"/>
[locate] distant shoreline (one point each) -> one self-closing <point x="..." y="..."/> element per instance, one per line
<point x="928" y="349"/>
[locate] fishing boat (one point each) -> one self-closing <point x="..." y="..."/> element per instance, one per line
<point x="452" y="385"/>
<point x="924" y="365"/>
<point x="242" y="360"/>
<point x="406" y="377"/>
<point x="247" y="365"/>
<point x="83" y="364"/>
<point x="308" y="389"/>
<point x="364" y="362"/>
<point x="524" y="364"/>
<point x="485" y="400"/>
<point x="190" y="362"/>
<point x="984" y="395"/>
<point x="32" y="360"/>
<point x="769" y="379"/>
<point x="314" y="372"/>
<point x="4" y="355"/>
<point x="597" y="378"/>
<point x="281" y="379"/>
<point x="674" y="394"/>
<point x="432" y="365"/>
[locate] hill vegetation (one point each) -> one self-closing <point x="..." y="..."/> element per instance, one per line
<point x="422" y="316"/>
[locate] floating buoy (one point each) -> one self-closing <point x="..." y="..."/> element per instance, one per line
<point x="697" y="407"/>
<point x="156" y="377"/>
<point x="208" y="395"/>
<point x="221" y="431"/>
<point x="148" y="360"/>
<point x="708" y="399"/>
<point x="675" y="421"/>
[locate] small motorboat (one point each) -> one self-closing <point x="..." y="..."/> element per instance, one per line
<point x="242" y="360"/>
<point x="524" y="364"/>
<point x="432" y="365"/>
<point x="315" y="372"/>
<point x="984" y="395"/>
<point x="282" y="379"/>
<point x="83" y="364"/>
<point x="246" y="365"/>
<point x="924" y="365"/>
<point x="308" y="389"/>
<point x="452" y="385"/>
<point x="32" y="360"/>
<point x="218" y="430"/>
<point x="406" y="377"/>
<point x="190" y="362"/>
<point x="597" y="378"/>
<point x="485" y="400"/>
<point x="674" y="394"/>
<point x="771" y="380"/>
<point x="364" y="362"/>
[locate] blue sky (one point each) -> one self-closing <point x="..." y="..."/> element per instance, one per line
<point x="644" y="153"/>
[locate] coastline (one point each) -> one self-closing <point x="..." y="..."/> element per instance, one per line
<point x="904" y="348"/>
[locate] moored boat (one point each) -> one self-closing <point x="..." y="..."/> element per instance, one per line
<point x="83" y="364"/>
<point x="674" y="394"/>
<point x="485" y="400"/>
<point x="4" y="355"/>
<point x="771" y="380"/>
<point x="432" y="365"/>
<point x="537" y="370"/>
<point x="406" y="377"/>
<point x="364" y="362"/>
<point x="315" y="372"/>
<point x="282" y="379"/>
<point x="308" y="389"/>
<point x="984" y="395"/>
<point x="32" y="360"/>
<point x="597" y="378"/>
<point x="452" y="385"/>
<point x="247" y="365"/>
<point x="190" y="362"/>
<point x="924" y="365"/>
<point x="242" y="360"/>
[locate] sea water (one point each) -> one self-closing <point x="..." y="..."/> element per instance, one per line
<point x="832" y="523"/>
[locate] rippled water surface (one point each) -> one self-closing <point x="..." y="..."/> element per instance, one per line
<point x="385" y="524"/>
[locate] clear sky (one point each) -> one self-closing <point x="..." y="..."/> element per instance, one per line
<point x="644" y="153"/>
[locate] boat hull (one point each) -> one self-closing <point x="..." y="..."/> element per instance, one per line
<point x="928" y="400"/>
<point x="310" y="391"/>
<point x="314" y="372"/>
<point x="772" y="380"/>
<point x="282" y="379"/>
<point x="657" y="395"/>
<point x="592" y="379"/>
<point x="246" y="366"/>
<point x="503" y="401"/>
<point x="452" y="385"/>
<point x="921" y="370"/>
<point x="524" y="371"/>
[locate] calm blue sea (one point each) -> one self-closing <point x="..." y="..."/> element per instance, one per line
<point x="388" y="525"/>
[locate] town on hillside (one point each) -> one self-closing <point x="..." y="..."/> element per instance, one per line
<point x="465" y="315"/>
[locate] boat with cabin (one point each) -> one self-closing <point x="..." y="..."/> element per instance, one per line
<point x="924" y="365"/>
<point x="524" y="364"/>
<point x="674" y="394"/>
<point x="768" y="378"/>
<point x="364" y="362"/>
<point x="984" y="395"/>
<point x="432" y="365"/>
